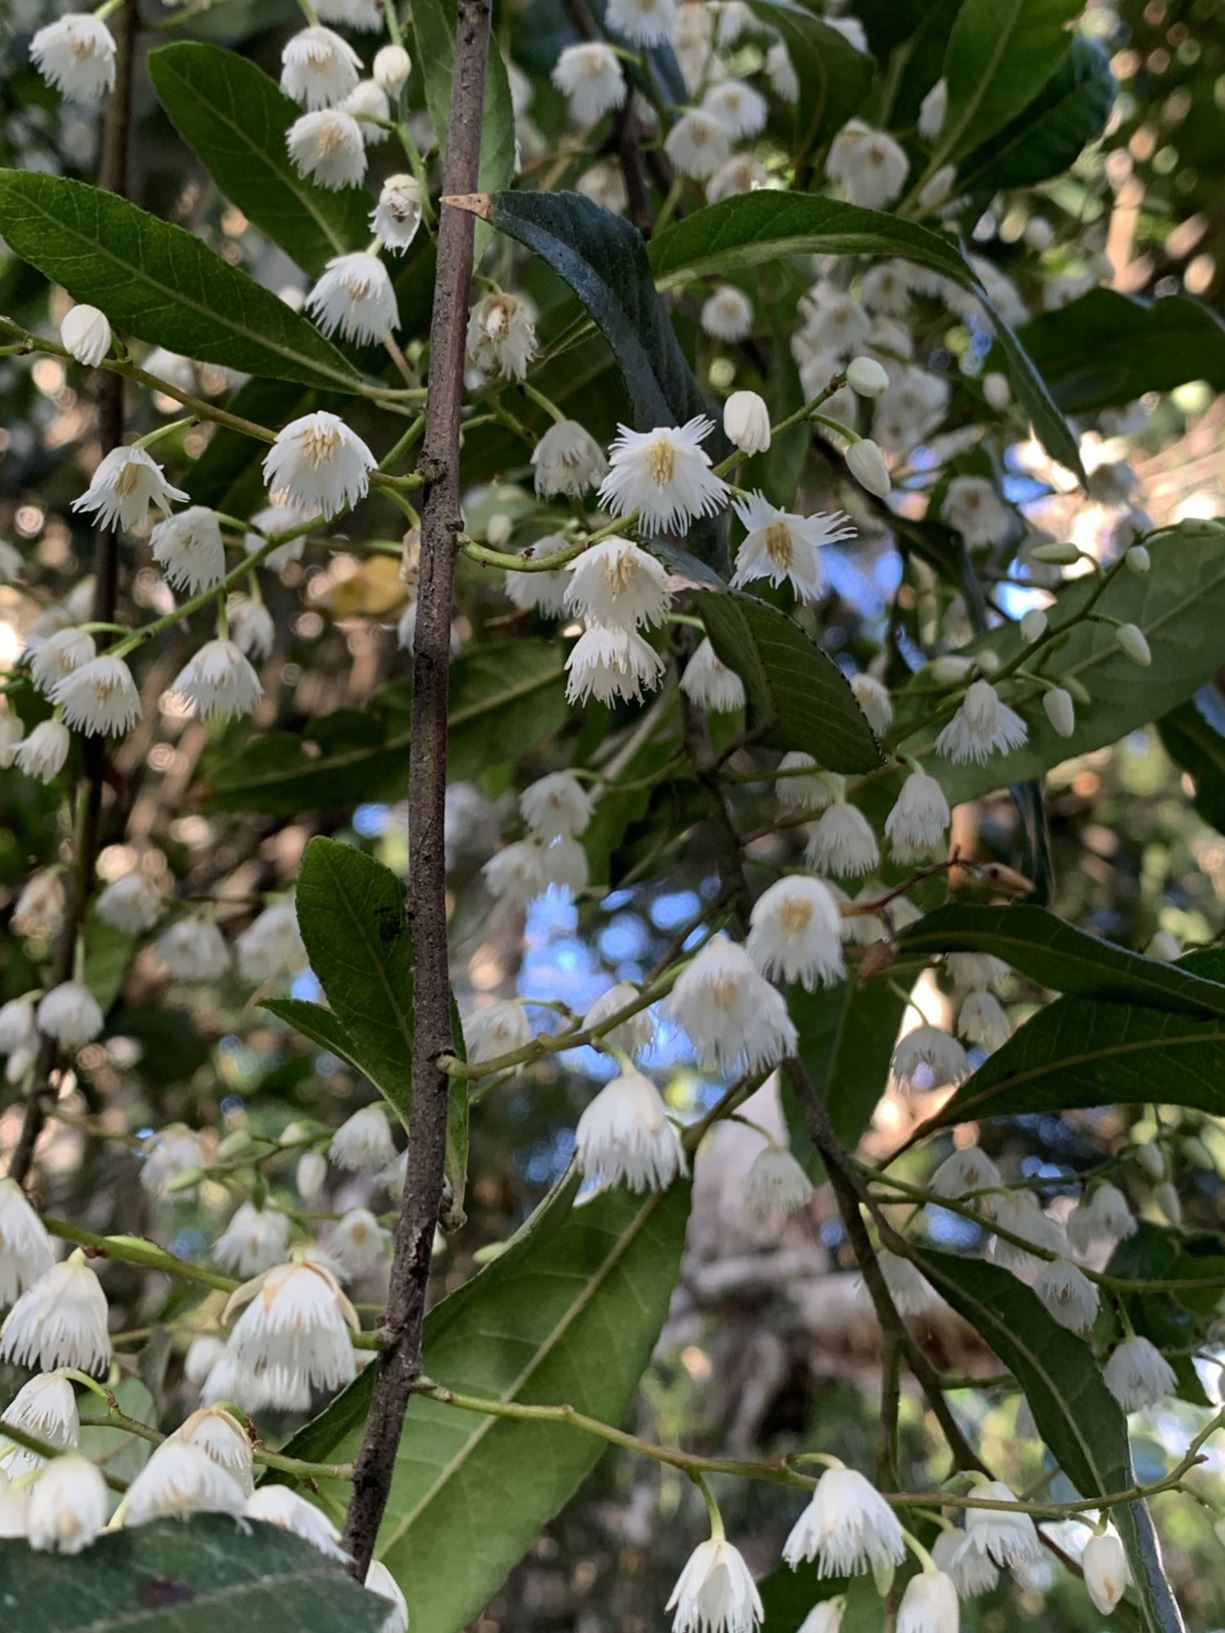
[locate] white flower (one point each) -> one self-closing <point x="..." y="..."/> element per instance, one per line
<point x="171" y="1152"/>
<point x="798" y="793"/>
<point x="972" y="1573"/>
<point x="825" y="1616"/>
<point x="359" y="1241"/>
<point x="311" y="1174"/>
<point x="190" y="549"/>
<point x="715" y="1593"/>
<point x="932" y="111"/>
<point x="354" y="295"/>
<point x="1138" y="1375"/>
<point x="296" y="1320"/>
<point x="279" y="1505"/>
<point x="969" y="1169"/>
<point x="730" y="1011"/>
<point x="738" y="107"/>
<point x="363" y="1142"/>
<point x="542" y="592"/>
<point x="783" y="547"/>
<point x="1112" y="1216"/>
<point x="516" y="873"/>
<point x="25" y="1248"/>
<point x="746" y="422"/>
<point x="982" y="1019"/>
<point x="1068" y="1295"/>
<point x="727" y="314"/>
<point x="17" y="1031"/>
<point x="866" y="377"/>
<point x="391" y="67"/>
<point x="318" y="465"/>
<point x="501" y="335"/>
<point x="645" y="22"/>
<point x="982" y="726"/>
<point x="589" y="76"/>
<point x="776" y="1184"/>
<point x="617" y="584"/>
<point x="972" y="507"/>
<point x="1020" y="1213"/>
<point x="936" y="192"/>
<point x="632" y="1035"/>
<point x="70" y="1014"/>
<point x="795" y="932"/>
<point x="132" y="904"/>
<point x="556" y="806"/>
<point x="220" y="1436"/>
<point x="251" y="627"/>
<point x="122" y="488"/>
<point x="784" y="81"/>
<point x="624" y="1136"/>
<point x="916" y="827"/>
<point x="664" y="475"/>
<point x="368" y="104"/>
<point x="86" y="333"/>
<point x="76" y="55"/>
<point x="60" y="1321"/>
<point x="254" y="1240"/>
<point x="611" y="665"/>
<point x="67" y="1508"/>
<point x="928" y="1057"/>
<point x="42" y="905"/>
<point x="866" y="464"/>
<point x="497" y="1029"/>
<point x="203" y="1353"/>
<point x="976" y="972"/>
<point x="397" y="215"/>
<point x="909" y="1290"/>
<point x="698" y="144"/>
<point x="218" y="682"/>
<point x="99" y="697"/>
<point x="873" y="698"/>
<point x="318" y="68"/>
<point x="1004" y="1536"/>
<point x="568" y="460"/>
<point x="380" y="1580"/>
<point x="841" y="842"/>
<point x="742" y="173"/>
<point x="870" y="165"/>
<point x="271" y="945"/>
<point x="193" y="950"/>
<point x="180" y="1479"/>
<point x="1104" y="1564"/>
<point x="848" y="1527"/>
<point x="45" y="1408"/>
<point x="328" y="147"/>
<point x="273" y="520"/>
<point x="929" y="1605"/>
<point x="709" y="684"/>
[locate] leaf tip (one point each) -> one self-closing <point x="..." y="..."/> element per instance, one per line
<point x="480" y="204"/>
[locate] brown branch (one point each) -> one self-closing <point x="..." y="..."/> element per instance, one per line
<point x="113" y="176"/>
<point x="400" y="1363"/>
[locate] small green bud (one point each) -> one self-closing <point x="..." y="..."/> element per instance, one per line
<point x="1058" y="555"/>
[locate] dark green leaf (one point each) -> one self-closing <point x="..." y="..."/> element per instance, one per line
<point x="568" y="1314"/>
<point x="108" y="952"/>
<point x="797" y="695"/>
<point x="159" y="283"/>
<point x="1195" y="743"/>
<point x="318" y="1024"/>
<point x="1000" y="55"/>
<point x="1106" y="349"/>
<point x="847" y="1035"/>
<point x="504" y="700"/>
<point x="235" y="118"/>
<point x="1046" y="137"/>
<point x="834" y="77"/>
<point x="184" y="1576"/>
<point x="1049" y="950"/>
<point x="1077" y="1417"/>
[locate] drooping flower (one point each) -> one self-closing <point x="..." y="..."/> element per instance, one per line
<point x="397" y="215"/>
<point x="1104" y="1564"/>
<point x="125" y="484"/>
<point x="391" y="67"/>
<point x="645" y="22"/>
<point x="99" y="697"/>
<point x="220" y="1436"/>
<point x="795" y="932"/>
<point x="318" y="465"/>
<point x="218" y="682"/>
<point x="76" y="55"/>
<point x="25" y="1248"/>
<point x="730" y="1011"/>
<point x="634" y="1034"/>
<point x="983" y="1020"/>
<point x="70" y="1014"/>
<point x="803" y="793"/>
<point x="67" y="1506"/>
<point x="967" y="1170"/>
<point x="189" y="547"/>
<point x="556" y="806"/>
<point x="928" y="1057"/>
<point x="318" y="68"/>
<point x="132" y="904"/>
<point x="664" y="475"/>
<point x="86" y="333"/>
<point x="328" y="146"/>
<point x="496" y="1029"/>
<point x="738" y="106"/>
<point x="359" y="1241"/>
<point x="271" y="945"/>
<point x="727" y="315"/>
<point x="254" y="1240"/>
<point x="929" y="1605"/>
<point x="1005" y="1536"/>
<point x="973" y="1573"/>
<point x="698" y="144"/>
<point x="45" y="1408"/>
<point x="976" y="972"/>
<point x="984" y="725"/>
<point x="624" y="1136"/>
<point x="368" y="104"/>
<point x="590" y="77"/>
<point x="917" y="826"/>
<point x="873" y="698"/>
<point x="708" y="682"/>
<point x="1138" y="1375"/>
<point x="715" y="1593"/>
<point x="296" y="1320"/>
<point x="180" y="1479"/>
<point x="565" y="865"/>
<point x="60" y="1321"/>
<point x="783" y="547"/>
<point x="172" y="1152"/>
<point x="501" y="335"/>
<point x="776" y="1184"/>
<point x="611" y="665"/>
<point x="354" y="294"/>
<point x="841" y="842"/>
<point x="251" y="627"/>
<point x="1068" y="1294"/>
<point x="279" y="1505"/>
<point x="619" y="585"/>
<point x="870" y="165"/>
<point x="363" y="1142"/>
<point x="193" y="949"/>
<point x="17" y="1031"/>
<point x="567" y="460"/>
<point x="847" y="1528"/>
<point x="516" y="873"/>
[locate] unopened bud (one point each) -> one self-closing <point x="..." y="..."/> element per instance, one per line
<point x="951" y="668"/>
<point x="1138" y="559"/>
<point x="86" y="333"/>
<point x="311" y="1173"/>
<point x="1152" y="1159"/>
<point x="997" y="391"/>
<point x="1105" y="1569"/>
<point x="1058" y="555"/>
<point x="1079" y="690"/>
<point x="937" y="190"/>
<point x="1033" y="625"/>
<point x="498" y="530"/>
<point x="392" y="66"/>
<point x="235" y="1142"/>
<point x="1194" y="1149"/>
<point x="866" y="377"/>
<point x="1131" y="641"/>
<point x="867" y="465"/>
<point x="746" y="421"/>
<point x="1166" y="1198"/>
<point x="988" y="662"/>
<point x="1060" y="710"/>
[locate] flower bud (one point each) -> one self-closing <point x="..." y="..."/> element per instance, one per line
<point x="1060" y="710"/>
<point x="498" y="530"/>
<point x="866" y="464"/>
<point x="392" y="66"/>
<point x="1138" y="559"/>
<point x="866" y="377"/>
<point x="1131" y="641"/>
<point x="937" y="190"/>
<point x="988" y="662"/>
<point x="1033" y="625"/>
<point x="746" y="422"/>
<point x="1167" y="1199"/>
<point x="311" y="1173"/>
<point x="1105" y="1566"/>
<point x="997" y="391"/>
<point x="86" y="333"/>
<point x="1152" y="1159"/>
<point x="1058" y="555"/>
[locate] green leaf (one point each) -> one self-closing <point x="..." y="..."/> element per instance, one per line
<point x="765" y="226"/>
<point x="1051" y="951"/>
<point x="847" y="1035"/>
<point x="504" y="699"/>
<point x="318" y="1024"/>
<point x="1077" y="1417"/>
<point x="568" y="1314"/>
<point x="834" y="77"/>
<point x="159" y="283"/>
<point x="1106" y="349"/>
<point x="1046" y="137"/>
<point x="603" y="259"/>
<point x="1000" y="55"/>
<point x="1195" y="743"/>
<point x="108" y="952"/>
<point x="185" y="1576"/>
<point x="235" y="119"/>
<point x="797" y="695"/>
